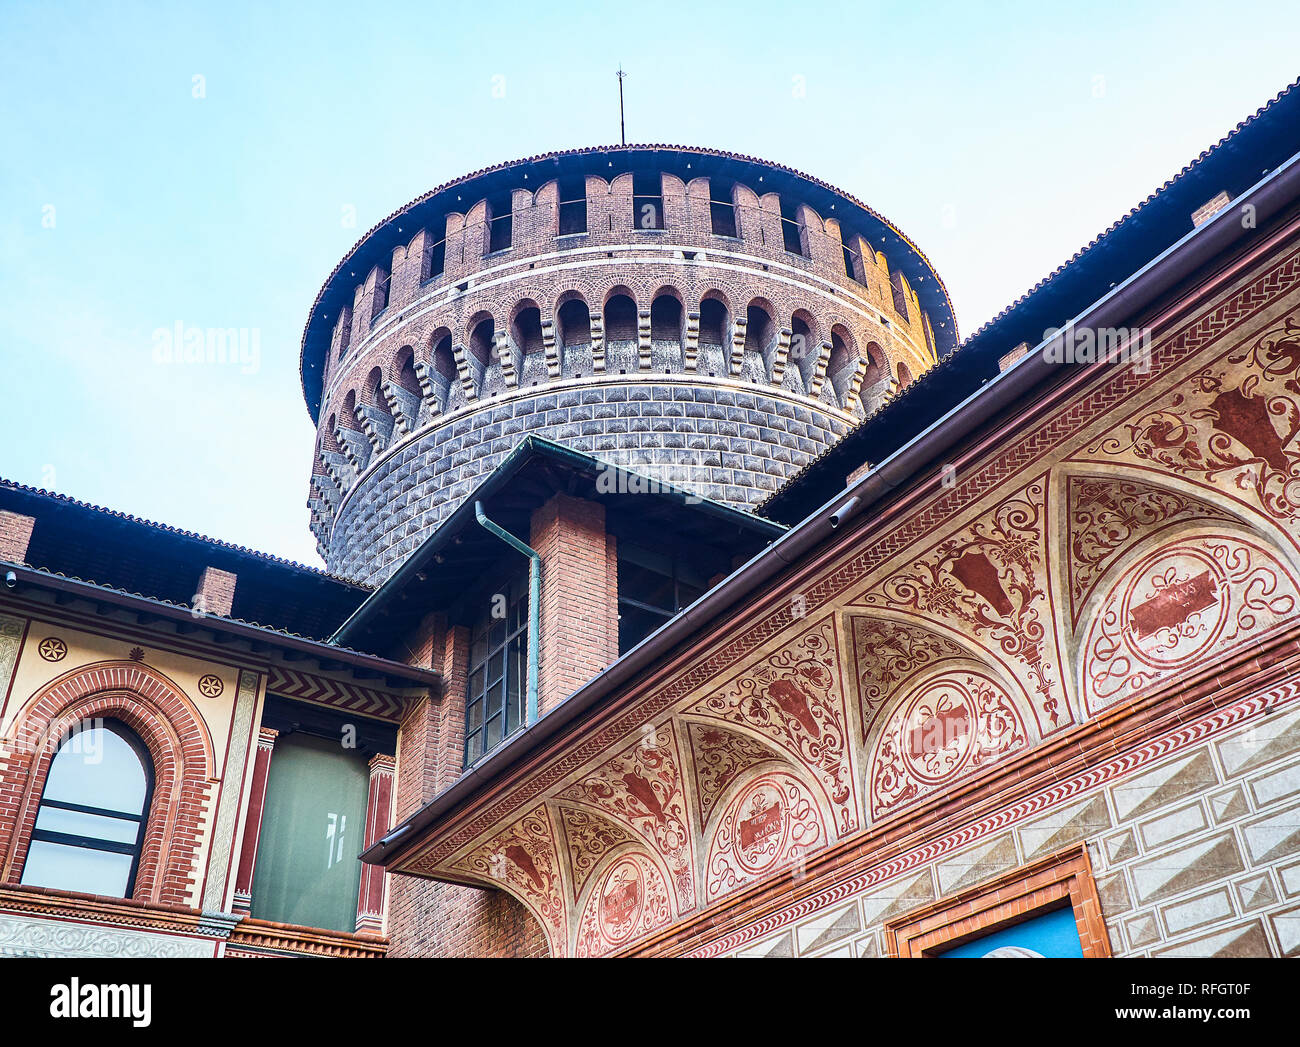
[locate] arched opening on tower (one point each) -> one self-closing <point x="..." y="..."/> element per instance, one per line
<point x="904" y="375"/>
<point x="843" y="364"/>
<point x="620" y="319"/>
<point x="480" y="340"/>
<point x="803" y="344"/>
<point x="574" y="319"/>
<point x="876" y="366"/>
<point x="713" y="322"/>
<point x="760" y="329"/>
<point x="526" y="334"/>
<point x="404" y="371"/>
<point x="527" y="329"/>
<point x="666" y="318"/>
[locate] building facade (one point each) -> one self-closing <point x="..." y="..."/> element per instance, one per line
<point x="695" y="591"/>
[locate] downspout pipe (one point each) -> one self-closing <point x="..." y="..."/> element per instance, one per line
<point x="534" y="604"/>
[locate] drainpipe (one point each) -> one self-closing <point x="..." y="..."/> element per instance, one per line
<point x="534" y="604"/>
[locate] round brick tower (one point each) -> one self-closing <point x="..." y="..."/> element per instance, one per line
<point x="705" y="318"/>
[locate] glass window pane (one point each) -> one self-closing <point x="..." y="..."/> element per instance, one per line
<point x="474" y="747"/>
<point x="313" y="823"/>
<point x="497" y="634"/>
<point x="97" y="767"/>
<point x="494" y="732"/>
<point x="478" y="647"/>
<point x="475" y="715"/>
<point x="95" y="826"/>
<point x="496" y="664"/>
<point x="645" y="586"/>
<point x="476" y="683"/>
<point x="77" y="869"/>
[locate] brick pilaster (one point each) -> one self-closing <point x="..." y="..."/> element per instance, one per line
<point x="579" y="629"/>
<point x="15" y="536"/>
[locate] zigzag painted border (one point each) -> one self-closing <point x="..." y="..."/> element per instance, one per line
<point x="307" y="687"/>
<point x="1217" y="722"/>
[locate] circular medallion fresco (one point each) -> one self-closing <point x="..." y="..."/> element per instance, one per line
<point x="761" y="826"/>
<point x="622" y="895"/>
<point x="52" y="649"/>
<point x="1174" y="606"/>
<point x="939" y="731"/>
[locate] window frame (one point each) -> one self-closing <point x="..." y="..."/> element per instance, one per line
<point x="1061" y="880"/>
<point x="92" y="843"/>
<point x="513" y="644"/>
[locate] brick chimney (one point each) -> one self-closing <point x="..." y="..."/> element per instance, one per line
<point x="15" y="535"/>
<point x="216" y="592"/>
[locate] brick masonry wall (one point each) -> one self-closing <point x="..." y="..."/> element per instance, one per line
<point x="15" y="534"/>
<point x="432" y="919"/>
<point x="491" y="382"/>
<point x="579" y="608"/>
<point x="736" y="444"/>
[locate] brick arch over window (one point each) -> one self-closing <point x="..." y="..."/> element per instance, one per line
<point x="165" y="720"/>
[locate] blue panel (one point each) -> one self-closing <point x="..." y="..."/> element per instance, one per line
<point x="1054" y="934"/>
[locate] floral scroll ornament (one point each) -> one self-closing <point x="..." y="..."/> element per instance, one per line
<point x="954" y="724"/>
<point x="1225" y="427"/>
<point x="773" y="823"/>
<point x="1176" y="605"/>
<point x="987" y="581"/>
<point x="642" y="788"/>
<point x="793" y="698"/>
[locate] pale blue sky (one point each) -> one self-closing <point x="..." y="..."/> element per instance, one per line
<point x="1001" y="137"/>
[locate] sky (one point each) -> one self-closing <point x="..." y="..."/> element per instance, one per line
<point x="175" y="166"/>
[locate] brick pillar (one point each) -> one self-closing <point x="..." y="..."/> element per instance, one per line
<point x="579" y="605"/>
<point x="379" y="807"/>
<point x="215" y="593"/>
<point x="253" y="822"/>
<point x="15" y="535"/>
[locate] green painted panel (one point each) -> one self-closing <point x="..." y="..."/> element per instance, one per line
<point x="307" y="869"/>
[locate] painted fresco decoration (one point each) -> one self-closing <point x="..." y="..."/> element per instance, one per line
<point x="967" y="641"/>
<point x="794" y="698"/>
<point x="1233" y="424"/>
<point x="523" y="860"/>
<point x="770" y="824"/>
<point x="720" y="756"/>
<point x="630" y="901"/>
<point x="887" y="654"/>
<point x="1174" y="605"/>
<point x="947" y="727"/>
<point x="1108" y="514"/>
<point x="642" y="788"/>
<point x="589" y="838"/>
<point x="988" y="581"/>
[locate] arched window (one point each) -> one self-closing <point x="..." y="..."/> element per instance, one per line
<point x="91" y="821"/>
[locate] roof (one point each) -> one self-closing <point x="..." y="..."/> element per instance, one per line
<point x="376" y="245"/>
<point x="122" y="552"/>
<point x="1257" y="145"/>
<point x="330" y="656"/>
<point x="527" y="477"/>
